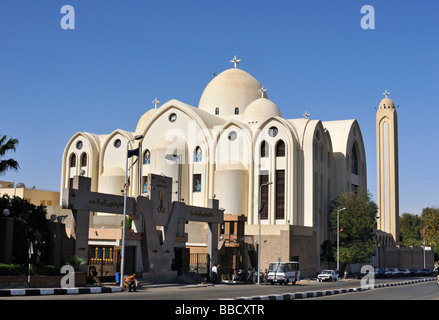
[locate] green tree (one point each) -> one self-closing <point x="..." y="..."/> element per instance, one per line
<point x="357" y="223"/>
<point x="430" y="219"/>
<point x="410" y="233"/>
<point x="30" y="225"/>
<point x="7" y="146"/>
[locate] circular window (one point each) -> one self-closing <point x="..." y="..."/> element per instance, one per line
<point x="117" y="143"/>
<point x="273" y="131"/>
<point x="172" y="117"/>
<point x="79" y="145"/>
<point x="232" y="135"/>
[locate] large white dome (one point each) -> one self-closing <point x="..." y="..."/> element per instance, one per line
<point x="231" y="89"/>
<point x="260" y="110"/>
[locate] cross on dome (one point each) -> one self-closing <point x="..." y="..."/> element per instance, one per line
<point x="262" y="91"/>
<point x="156" y="102"/>
<point x="235" y="60"/>
<point x="386" y="93"/>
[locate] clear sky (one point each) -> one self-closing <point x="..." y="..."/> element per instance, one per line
<point x="311" y="56"/>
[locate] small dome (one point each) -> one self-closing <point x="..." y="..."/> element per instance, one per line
<point x="231" y="89"/>
<point x="387" y="103"/>
<point x="144" y="118"/>
<point x="259" y="110"/>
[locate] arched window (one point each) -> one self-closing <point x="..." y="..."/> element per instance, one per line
<point x="280" y="149"/>
<point x="236" y="110"/>
<point x="84" y="160"/>
<point x="264" y="149"/>
<point x="354" y="160"/>
<point x="73" y="160"/>
<point x="198" y="154"/>
<point x="147" y="157"/>
<point x="216" y="110"/>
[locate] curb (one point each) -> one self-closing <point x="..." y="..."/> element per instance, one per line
<point x="313" y="294"/>
<point x="56" y="291"/>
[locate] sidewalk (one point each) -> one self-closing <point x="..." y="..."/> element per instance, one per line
<point x="108" y="287"/>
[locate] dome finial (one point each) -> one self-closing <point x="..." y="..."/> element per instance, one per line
<point x="306" y="114"/>
<point x="156" y="102"/>
<point x="235" y="60"/>
<point x="262" y="91"/>
<point x="386" y="93"/>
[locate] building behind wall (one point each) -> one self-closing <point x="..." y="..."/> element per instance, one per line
<point x="230" y="145"/>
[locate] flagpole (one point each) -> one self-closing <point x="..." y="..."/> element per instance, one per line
<point x="122" y="257"/>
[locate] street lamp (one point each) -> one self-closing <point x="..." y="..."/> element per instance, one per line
<point x="259" y="223"/>
<point x="423" y="232"/>
<point x="122" y="256"/>
<point x="338" y="239"/>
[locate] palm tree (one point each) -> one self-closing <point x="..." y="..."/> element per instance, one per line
<point x="5" y="146"/>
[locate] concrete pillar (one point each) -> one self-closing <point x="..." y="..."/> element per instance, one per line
<point x="80" y="225"/>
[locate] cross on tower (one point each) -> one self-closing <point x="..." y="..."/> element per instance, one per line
<point x="386" y="93"/>
<point x="156" y="102"/>
<point x="262" y="91"/>
<point x="235" y="60"/>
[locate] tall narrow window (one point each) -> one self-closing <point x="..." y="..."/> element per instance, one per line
<point x="280" y="194"/>
<point x="280" y="149"/>
<point x="73" y="160"/>
<point x="264" y="149"/>
<point x="147" y="157"/>
<point x="216" y="111"/>
<point x="236" y="110"/>
<point x="198" y="154"/>
<point x="84" y="160"/>
<point x="263" y="179"/>
<point x="354" y="160"/>
<point x="197" y="183"/>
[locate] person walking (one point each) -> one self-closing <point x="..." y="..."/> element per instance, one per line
<point x="214" y="273"/>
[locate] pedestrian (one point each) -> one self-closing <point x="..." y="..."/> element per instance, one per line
<point x="130" y="283"/>
<point x="214" y="273"/>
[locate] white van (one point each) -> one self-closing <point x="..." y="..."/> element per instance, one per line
<point x="283" y="272"/>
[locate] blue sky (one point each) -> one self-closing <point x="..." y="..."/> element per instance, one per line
<point x="310" y="55"/>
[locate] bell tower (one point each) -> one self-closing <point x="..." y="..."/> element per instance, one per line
<point x="387" y="168"/>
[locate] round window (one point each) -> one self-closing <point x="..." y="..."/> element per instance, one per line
<point x="117" y="143"/>
<point x="273" y="131"/>
<point x="79" y="145"/>
<point x="232" y="135"/>
<point x="172" y="117"/>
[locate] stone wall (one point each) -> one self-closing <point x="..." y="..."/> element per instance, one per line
<point x="403" y="257"/>
<point x="38" y="281"/>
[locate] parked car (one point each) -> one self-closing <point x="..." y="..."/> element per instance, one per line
<point x="388" y="272"/>
<point x="405" y="272"/>
<point x="415" y="272"/>
<point x="425" y="272"/>
<point x="327" y="275"/>
<point x="396" y="272"/>
<point x="380" y="272"/>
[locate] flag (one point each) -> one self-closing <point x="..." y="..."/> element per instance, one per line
<point x="134" y="152"/>
<point x="128" y="183"/>
<point x="340" y="230"/>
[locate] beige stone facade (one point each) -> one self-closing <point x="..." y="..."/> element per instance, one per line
<point x="227" y="148"/>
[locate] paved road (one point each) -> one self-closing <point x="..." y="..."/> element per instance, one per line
<point x="224" y="291"/>
<point x="419" y="291"/>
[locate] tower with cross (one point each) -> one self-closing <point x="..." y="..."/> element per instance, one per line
<point x="387" y="167"/>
